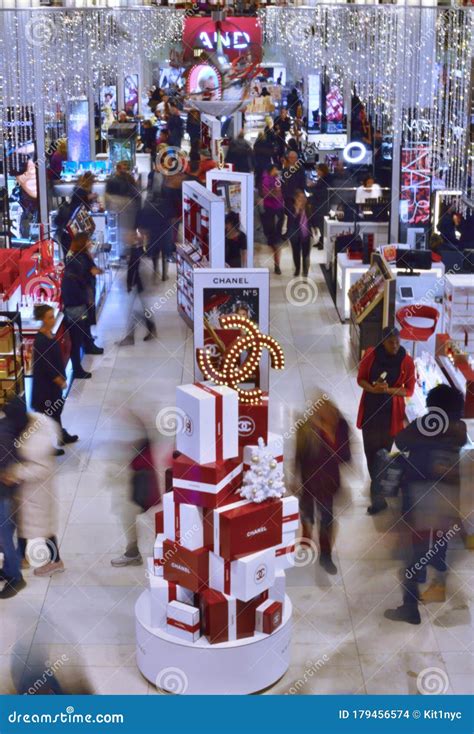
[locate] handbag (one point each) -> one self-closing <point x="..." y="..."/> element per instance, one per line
<point x="388" y="473"/>
<point x="145" y="486"/>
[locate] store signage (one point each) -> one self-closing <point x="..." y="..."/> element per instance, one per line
<point x="238" y="36"/>
<point x="354" y="152"/>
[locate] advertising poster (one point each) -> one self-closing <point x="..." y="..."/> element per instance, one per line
<point x="78" y="133"/>
<point x="108" y="107"/>
<point x="221" y="292"/>
<point x="130" y="86"/>
<point x="415" y="185"/>
<point x="21" y="174"/>
<point x="205" y="80"/>
<point x="334" y="109"/>
<point x="314" y="102"/>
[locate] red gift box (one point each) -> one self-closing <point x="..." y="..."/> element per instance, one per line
<point x="247" y="527"/>
<point x="225" y="618"/>
<point x="159" y="526"/>
<point x="253" y="422"/>
<point x="206" y="485"/>
<point x="188" y="568"/>
<point x="268" y="616"/>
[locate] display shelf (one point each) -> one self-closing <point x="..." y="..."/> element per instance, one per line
<point x="240" y="667"/>
<point x="457" y="367"/>
<point x="11" y="360"/>
<point x="428" y="375"/>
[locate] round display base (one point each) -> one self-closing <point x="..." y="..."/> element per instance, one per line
<point x="232" y="668"/>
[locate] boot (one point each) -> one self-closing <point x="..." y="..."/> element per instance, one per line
<point x="326" y="562"/>
<point x="150" y="325"/>
<point x="436" y="592"/>
<point x="68" y="438"/>
<point x="307" y="534"/>
<point x="164" y="269"/>
<point x="406" y="613"/>
<point x="305" y="266"/>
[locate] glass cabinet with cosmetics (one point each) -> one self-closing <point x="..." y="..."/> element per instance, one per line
<point x="12" y="378"/>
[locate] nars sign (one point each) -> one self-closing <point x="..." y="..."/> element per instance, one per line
<point x="230" y="39"/>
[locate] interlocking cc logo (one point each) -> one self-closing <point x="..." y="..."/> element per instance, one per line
<point x="249" y="345"/>
<point x="260" y="574"/>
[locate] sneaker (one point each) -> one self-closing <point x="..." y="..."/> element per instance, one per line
<point x="12" y="588"/>
<point x="125" y="560"/>
<point x="277" y="270"/>
<point x="326" y="562"/>
<point x="67" y="438"/>
<point x="93" y="349"/>
<point x="49" y="569"/>
<point x="82" y="375"/>
<point x="406" y="613"/>
<point x="127" y="341"/>
<point x="435" y="593"/>
<point x="376" y="508"/>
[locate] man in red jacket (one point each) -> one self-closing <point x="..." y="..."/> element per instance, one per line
<point x="387" y="376"/>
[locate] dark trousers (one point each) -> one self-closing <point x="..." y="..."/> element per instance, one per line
<point x="11" y="556"/>
<point x="323" y="506"/>
<point x="376" y="436"/>
<point x="52" y="544"/>
<point x="77" y="334"/>
<point x="272" y="222"/>
<point x="300" y="249"/>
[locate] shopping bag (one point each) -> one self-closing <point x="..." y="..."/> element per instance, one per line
<point x="388" y="473"/>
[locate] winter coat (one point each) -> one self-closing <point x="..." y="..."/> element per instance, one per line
<point x="36" y="468"/>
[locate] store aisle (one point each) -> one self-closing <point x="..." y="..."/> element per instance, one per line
<point x="82" y="621"/>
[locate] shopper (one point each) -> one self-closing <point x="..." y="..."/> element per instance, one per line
<point x="83" y="193"/>
<point x="148" y="137"/>
<point x="240" y="154"/>
<point x="431" y="487"/>
<point x="320" y="203"/>
<point x="142" y="494"/>
<point x="322" y="445"/>
<point x="298" y="232"/>
<point x="11" y="427"/>
<point x="157" y="230"/>
<point x="273" y="212"/>
<point x="235" y="242"/>
<point x="75" y="298"/>
<point x="35" y="498"/>
<point x="387" y="376"/>
<point x="80" y="250"/>
<point x="283" y="120"/>
<point x="368" y="191"/>
<point x="56" y="161"/>
<point x="293" y="177"/>
<point x="452" y="227"/>
<point x="49" y="375"/>
<point x="174" y="125"/>
<point x="136" y="289"/>
<point x="193" y="126"/>
<point x="263" y="155"/>
<point x="293" y="102"/>
<point x="123" y="198"/>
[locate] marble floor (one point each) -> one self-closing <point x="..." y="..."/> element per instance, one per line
<point x="81" y="622"/>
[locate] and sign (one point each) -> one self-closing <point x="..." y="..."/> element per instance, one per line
<point x="239" y="35"/>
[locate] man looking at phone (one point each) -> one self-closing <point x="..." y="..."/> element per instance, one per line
<point x="386" y="376"/>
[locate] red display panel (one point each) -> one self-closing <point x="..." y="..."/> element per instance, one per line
<point x="240" y="36"/>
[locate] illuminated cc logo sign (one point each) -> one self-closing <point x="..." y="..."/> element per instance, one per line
<point x="260" y="574"/>
<point x="246" y="426"/>
<point x="250" y="343"/>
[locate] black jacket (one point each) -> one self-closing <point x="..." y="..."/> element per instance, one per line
<point x="11" y="426"/>
<point x="175" y="130"/>
<point x="74" y="288"/>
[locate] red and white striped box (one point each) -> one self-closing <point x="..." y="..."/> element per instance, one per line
<point x="291" y="514"/>
<point x="210" y="416"/>
<point x="225" y="618"/>
<point x="274" y="446"/>
<point x="268" y="616"/>
<point x="158" y="555"/>
<point x="253" y="422"/>
<point x="285" y="551"/>
<point x="183" y="523"/>
<point x="246" y="527"/>
<point x="185" y="567"/>
<point x="182" y="620"/>
<point x="245" y="577"/>
<point x="277" y="591"/>
<point x="162" y="592"/>
<point x="206" y="485"/>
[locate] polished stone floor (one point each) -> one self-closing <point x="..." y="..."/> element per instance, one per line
<point x="82" y="621"/>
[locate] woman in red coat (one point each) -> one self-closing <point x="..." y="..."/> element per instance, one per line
<point x="387" y="376"/>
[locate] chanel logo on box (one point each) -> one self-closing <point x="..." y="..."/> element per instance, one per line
<point x="257" y="531"/>
<point x="260" y="574"/>
<point x="188" y="426"/>
<point x="246" y="426"/>
<point x="179" y="567"/>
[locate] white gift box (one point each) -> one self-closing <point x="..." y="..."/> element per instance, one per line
<point x="158" y="555"/>
<point x="245" y="577"/>
<point x="161" y="593"/>
<point x="183" y="621"/>
<point x="183" y="523"/>
<point x="291" y="514"/>
<point x="285" y="552"/>
<point x="268" y="616"/>
<point x="274" y="446"/>
<point x="211" y="416"/>
<point x="278" y="590"/>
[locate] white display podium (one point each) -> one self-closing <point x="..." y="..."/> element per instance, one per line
<point x="333" y="228"/>
<point x="239" y="667"/>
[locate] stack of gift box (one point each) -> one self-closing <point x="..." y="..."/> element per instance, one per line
<point x="219" y="560"/>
